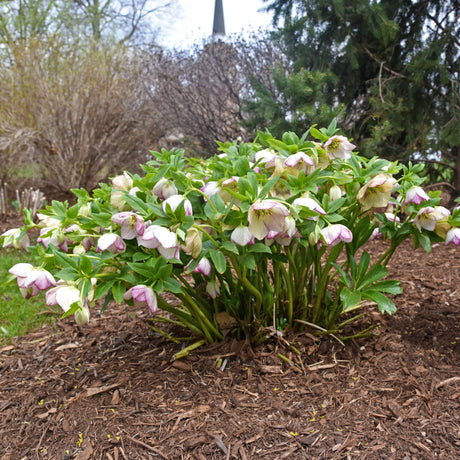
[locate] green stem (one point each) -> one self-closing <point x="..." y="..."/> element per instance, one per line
<point x="242" y="276"/>
<point x="290" y="296"/>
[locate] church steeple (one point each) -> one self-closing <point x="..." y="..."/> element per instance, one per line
<point x="218" y="28"/>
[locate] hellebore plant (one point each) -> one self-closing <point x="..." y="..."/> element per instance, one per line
<point x="263" y="236"/>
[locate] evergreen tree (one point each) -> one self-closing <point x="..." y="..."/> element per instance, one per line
<point x="393" y="65"/>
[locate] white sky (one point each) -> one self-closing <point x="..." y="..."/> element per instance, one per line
<point x="194" y="23"/>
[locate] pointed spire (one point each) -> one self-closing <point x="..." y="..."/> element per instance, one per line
<point x="218" y="28"/>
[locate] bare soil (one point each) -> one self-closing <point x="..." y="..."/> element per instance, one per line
<point x="111" y="390"/>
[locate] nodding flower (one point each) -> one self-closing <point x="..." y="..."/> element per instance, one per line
<point x="265" y="216"/>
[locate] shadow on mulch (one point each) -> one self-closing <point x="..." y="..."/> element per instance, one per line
<point x="110" y="390"/>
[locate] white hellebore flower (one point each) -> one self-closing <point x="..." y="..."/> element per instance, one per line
<point x="162" y="239"/>
<point x="111" y="242"/>
<point x="174" y="201"/>
<point x="429" y="216"/>
<point x="416" y="195"/>
<point x="164" y="188"/>
<point x="204" y="266"/>
<point x="242" y="236"/>
<point x="265" y="216"/>
<point x="123" y="182"/>
<point x="311" y="204"/>
<point x="142" y="295"/>
<point x="337" y="233"/>
<point x="453" y="236"/>
<point x="377" y="192"/>
<point x="63" y="295"/>
<point x="266" y="157"/>
<point x="132" y="225"/>
<point x="31" y="280"/>
<point x="210" y="188"/>
<point x="300" y="161"/>
<point x="11" y="239"/>
<point x="339" y="147"/>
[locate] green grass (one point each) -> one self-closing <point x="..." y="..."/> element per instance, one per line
<point x="17" y="315"/>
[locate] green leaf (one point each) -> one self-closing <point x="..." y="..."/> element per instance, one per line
<point x="173" y="286"/>
<point x="102" y="289"/>
<point x="388" y="286"/>
<point x="218" y="260"/>
<point x="268" y="186"/>
<point x="63" y="259"/>
<point x="350" y="299"/>
<point x="376" y="273"/>
<point x="343" y="275"/>
<point x="85" y="264"/>
<point x="141" y="269"/>
<point x="73" y="308"/>
<point x="259" y="247"/>
<point x="362" y="267"/>
<point x="67" y="274"/>
<point x="230" y="246"/>
<point x="384" y="304"/>
<point x="248" y="261"/>
<point x="118" y="289"/>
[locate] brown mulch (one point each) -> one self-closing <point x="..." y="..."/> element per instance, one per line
<point x="110" y="390"/>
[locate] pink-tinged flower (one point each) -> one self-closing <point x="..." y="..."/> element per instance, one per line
<point x="429" y="217"/>
<point x="377" y="192"/>
<point x="162" y="239"/>
<point x="265" y="216"/>
<point x="132" y="225"/>
<point x="55" y="237"/>
<point x="339" y="147"/>
<point x="31" y="280"/>
<point x="213" y="289"/>
<point x="142" y="295"/>
<point x="211" y="188"/>
<point x="164" y="188"/>
<point x="242" y="236"/>
<point x="122" y="182"/>
<point x="63" y="295"/>
<point x="11" y="239"/>
<point x="174" y="201"/>
<point x="48" y="221"/>
<point x="453" y="236"/>
<point x="284" y="238"/>
<point x="266" y="157"/>
<point x="416" y="195"/>
<point x="204" y="266"/>
<point x="392" y="218"/>
<point x="111" y="242"/>
<point x="309" y="203"/>
<point x="299" y="161"/>
<point x="375" y="234"/>
<point x="335" y="234"/>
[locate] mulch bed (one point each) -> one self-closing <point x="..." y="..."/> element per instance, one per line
<point x="111" y="390"/>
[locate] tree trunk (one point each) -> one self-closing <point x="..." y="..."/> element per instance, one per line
<point x="457" y="172"/>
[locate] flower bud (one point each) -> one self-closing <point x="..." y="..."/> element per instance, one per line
<point x="335" y="192"/>
<point x="82" y="316"/>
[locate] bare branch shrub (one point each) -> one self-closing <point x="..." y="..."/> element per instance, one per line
<point x="80" y="113"/>
<point x="199" y="95"/>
